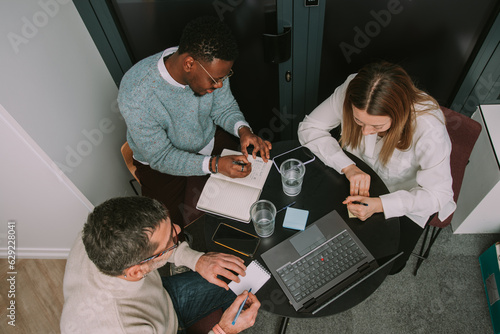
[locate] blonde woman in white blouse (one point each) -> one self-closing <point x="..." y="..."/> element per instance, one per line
<point x="400" y="132"/>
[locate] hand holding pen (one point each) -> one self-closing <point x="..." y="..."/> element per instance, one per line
<point x="243" y="317"/>
<point x="241" y="308"/>
<point x="243" y="165"/>
<point x="240" y="163"/>
<point x="234" y="166"/>
<point x="363" y="207"/>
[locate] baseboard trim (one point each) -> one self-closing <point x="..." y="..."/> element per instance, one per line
<point x="38" y="253"/>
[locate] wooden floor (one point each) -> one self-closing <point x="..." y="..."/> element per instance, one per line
<point x="38" y="296"/>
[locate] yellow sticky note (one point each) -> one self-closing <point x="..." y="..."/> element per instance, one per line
<point x="351" y="215"/>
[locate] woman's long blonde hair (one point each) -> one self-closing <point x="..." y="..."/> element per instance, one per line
<point x="384" y="89"/>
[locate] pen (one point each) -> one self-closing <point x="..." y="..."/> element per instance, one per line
<point x="239" y="163"/>
<point x="241" y="307"/>
<point x="360" y="203"/>
<point x="286" y="206"/>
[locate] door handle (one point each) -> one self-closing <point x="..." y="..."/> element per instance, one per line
<point x="278" y="48"/>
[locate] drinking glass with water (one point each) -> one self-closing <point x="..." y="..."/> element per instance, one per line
<point x="292" y="174"/>
<point x="263" y="214"/>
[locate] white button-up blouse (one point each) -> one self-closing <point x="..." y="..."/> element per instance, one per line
<point x="419" y="178"/>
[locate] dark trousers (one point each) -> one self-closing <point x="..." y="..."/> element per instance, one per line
<point x="180" y="193"/>
<point x="195" y="298"/>
<point x="409" y="234"/>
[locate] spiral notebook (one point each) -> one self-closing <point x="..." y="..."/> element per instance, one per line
<point x="256" y="276"/>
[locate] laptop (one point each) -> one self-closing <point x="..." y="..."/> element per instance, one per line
<point x="318" y="265"/>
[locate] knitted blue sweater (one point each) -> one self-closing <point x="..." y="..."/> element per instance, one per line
<point x="167" y="125"/>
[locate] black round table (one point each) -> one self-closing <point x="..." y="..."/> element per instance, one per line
<point x="323" y="190"/>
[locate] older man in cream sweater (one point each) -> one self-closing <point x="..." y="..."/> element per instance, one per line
<point x="111" y="284"/>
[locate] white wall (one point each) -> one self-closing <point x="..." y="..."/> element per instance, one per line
<point x="48" y="210"/>
<point x="56" y="87"/>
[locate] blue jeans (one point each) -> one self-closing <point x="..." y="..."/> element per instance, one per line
<point x="194" y="297"/>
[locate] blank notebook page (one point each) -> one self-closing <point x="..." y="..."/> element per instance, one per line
<point x="256" y="276"/>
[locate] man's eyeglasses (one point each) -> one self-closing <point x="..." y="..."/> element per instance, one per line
<point x="216" y="82"/>
<point x="176" y="244"/>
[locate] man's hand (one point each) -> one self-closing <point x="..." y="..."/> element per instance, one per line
<point x="360" y="181"/>
<point x="248" y="138"/>
<point x="364" y="211"/>
<point x="212" y="264"/>
<point x="247" y="316"/>
<point x="234" y="166"/>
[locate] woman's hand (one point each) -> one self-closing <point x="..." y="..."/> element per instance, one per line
<point x="360" y="181"/>
<point x="366" y="206"/>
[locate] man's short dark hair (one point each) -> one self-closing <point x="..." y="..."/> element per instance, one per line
<point x="117" y="233"/>
<point x="207" y="38"/>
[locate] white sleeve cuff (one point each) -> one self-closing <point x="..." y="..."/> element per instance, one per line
<point x="205" y="168"/>
<point x="343" y="164"/>
<point x="237" y="126"/>
<point x="392" y="205"/>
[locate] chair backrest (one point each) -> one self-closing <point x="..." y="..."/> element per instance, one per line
<point x="463" y="132"/>
<point x="129" y="160"/>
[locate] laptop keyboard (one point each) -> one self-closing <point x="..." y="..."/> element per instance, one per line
<point x="318" y="267"/>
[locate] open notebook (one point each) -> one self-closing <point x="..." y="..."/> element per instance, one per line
<point x="232" y="198"/>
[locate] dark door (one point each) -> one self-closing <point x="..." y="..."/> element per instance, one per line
<point x="433" y="40"/>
